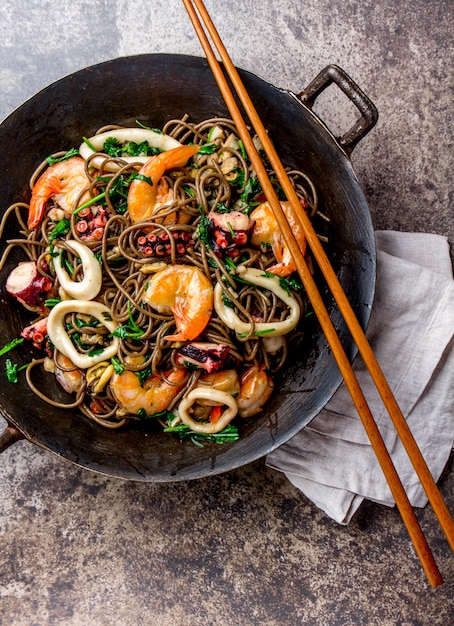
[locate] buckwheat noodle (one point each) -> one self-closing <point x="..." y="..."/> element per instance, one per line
<point x="131" y="253"/>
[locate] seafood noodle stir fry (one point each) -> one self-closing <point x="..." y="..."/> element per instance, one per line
<point x="160" y="285"/>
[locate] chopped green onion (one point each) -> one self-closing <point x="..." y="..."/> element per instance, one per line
<point x="244" y="154"/>
<point x="90" y="202"/>
<point x="52" y="302"/>
<point x="89" y="144"/>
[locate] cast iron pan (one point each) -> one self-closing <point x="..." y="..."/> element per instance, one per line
<point x="153" y="89"/>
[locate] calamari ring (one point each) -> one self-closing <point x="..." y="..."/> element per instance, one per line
<point x="203" y="393"/>
<point x="61" y="339"/>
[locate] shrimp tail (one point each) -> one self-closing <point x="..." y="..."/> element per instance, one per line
<point x="181" y="321"/>
<point x="41" y="194"/>
<point x="36" y="214"/>
<point x="142" y="195"/>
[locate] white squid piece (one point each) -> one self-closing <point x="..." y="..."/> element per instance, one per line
<point x="62" y="341"/>
<point x="90" y="285"/>
<point x="256" y="276"/>
<point x="137" y="135"/>
<point x="215" y="395"/>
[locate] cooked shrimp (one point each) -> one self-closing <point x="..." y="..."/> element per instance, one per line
<point x="143" y="198"/>
<point x="64" y="182"/>
<point x="153" y="397"/>
<point x="68" y="375"/>
<point x="186" y="292"/>
<point x="256" y="387"/>
<point x="266" y="231"/>
<point x="223" y="380"/>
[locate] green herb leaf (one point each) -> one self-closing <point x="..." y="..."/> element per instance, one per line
<point x="251" y="189"/>
<point x="12" y="369"/>
<point x="61" y="229"/>
<point x="142" y="177"/>
<point x="117" y="365"/>
<point x="129" y="330"/>
<point x="51" y="159"/>
<point x="141" y="149"/>
<point x="143" y="375"/>
<point x="221" y="208"/>
<point x="155" y="130"/>
<point x="239" y="179"/>
<point x="290" y="283"/>
<point x="52" y="302"/>
<point x="115" y="149"/>
<point x="11" y="345"/>
<point x="112" y="147"/>
<point x="90" y="202"/>
<point x="67" y="265"/>
<point x="189" y="190"/>
<point x="125" y="332"/>
<point x="208" y="148"/>
<point x="202" y="229"/>
<point x="89" y="144"/>
<point x="83" y="324"/>
<point x="229" y="433"/>
<point x="244" y="154"/>
<point x="230" y="265"/>
<point x="96" y="351"/>
<point x="226" y="300"/>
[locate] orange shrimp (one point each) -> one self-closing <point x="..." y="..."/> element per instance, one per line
<point x="143" y="198"/>
<point x="256" y="386"/>
<point x="68" y="375"/>
<point x="266" y="231"/>
<point x="251" y="390"/>
<point x="185" y="291"/>
<point x="64" y="182"/>
<point x="153" y="397"/>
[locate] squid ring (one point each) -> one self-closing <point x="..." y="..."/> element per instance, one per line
<point x="90" y="285"/>
<point x="61" y="339"/>
<point x="138" y="135"/>
<point x="218" y="396"/>
<point x="270" y="329"/>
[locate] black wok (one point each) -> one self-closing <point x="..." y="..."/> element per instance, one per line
<point x="153" y="89"/>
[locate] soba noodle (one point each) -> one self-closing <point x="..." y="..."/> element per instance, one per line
<point x="202" y="222"/>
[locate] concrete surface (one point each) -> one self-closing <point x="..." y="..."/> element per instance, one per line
<point x="243" y="548"/>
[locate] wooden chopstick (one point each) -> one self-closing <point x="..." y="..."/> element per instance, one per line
<point x="365" y="350"/>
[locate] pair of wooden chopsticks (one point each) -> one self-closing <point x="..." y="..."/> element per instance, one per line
<point x="414" y="453"/>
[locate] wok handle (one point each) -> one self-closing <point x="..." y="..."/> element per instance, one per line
<point x="9" y="436"/>
<point x="369" y="114"/>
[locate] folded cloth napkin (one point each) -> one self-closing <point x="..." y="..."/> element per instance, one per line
<point x="411" y="331"/>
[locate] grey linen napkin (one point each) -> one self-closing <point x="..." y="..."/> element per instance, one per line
<point x="411" y="331"/>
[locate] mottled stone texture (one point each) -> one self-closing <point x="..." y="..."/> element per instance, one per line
<point x="243" y="548"/>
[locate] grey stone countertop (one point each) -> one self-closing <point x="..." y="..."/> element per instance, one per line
<point x="242" y="548"/>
